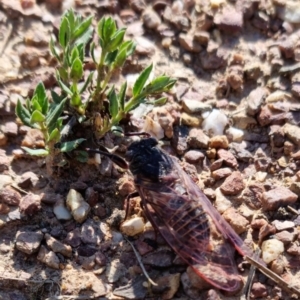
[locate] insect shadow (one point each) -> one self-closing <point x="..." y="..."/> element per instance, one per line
<point x="183" y="215"/>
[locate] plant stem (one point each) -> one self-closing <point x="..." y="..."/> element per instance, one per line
<point x="106" y="79"/>
<point x="44" y="131"/>
<point x="134" y="101"/>
<point x="99" y="78"/>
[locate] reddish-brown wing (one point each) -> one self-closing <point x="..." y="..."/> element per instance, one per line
<point x="193" y="228"/>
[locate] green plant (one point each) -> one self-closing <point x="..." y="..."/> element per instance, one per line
<point x="84" y="95"/>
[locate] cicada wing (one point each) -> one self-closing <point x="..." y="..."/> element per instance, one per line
<point x="223" y="227"/>
<point x="190" y="232"/>
<point x="193" y="228"/>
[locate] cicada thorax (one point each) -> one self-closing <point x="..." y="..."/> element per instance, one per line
<point x="146" y="162"/>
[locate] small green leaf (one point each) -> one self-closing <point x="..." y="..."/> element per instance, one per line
<point x="37" y="152"/>
<point x="74" y="54"/>
<point x="87" y="82"/>
<point x="120" y="59"/>
<point x="82" y="28"/>
<point x="116" y="40"/>
<point x="160" y="84"/>
<point x="65" y="88"/>
<point x="134" y="105"/>
<point x="113" y="102"/>
<point x="106" y="28"/>
<point x="75" y="99"/>
<point x="141" y="81"/>
<point x="23" y="114"/>
<point x="92" y="52"/>
<point x="64" y="32"/>
<point x="45" y="106"/>
<point x="160" y="101"/>
<point x="81" y="50"/>
<point x="71" y="18"/>
<point x="67" y="56"/>
<point x="35" y="105"/>
<point x="130" y="48"/>
<point x="54" y="135"/>
<point x="100" y="27"/>
<point x="110" y="57"/>
<point x="122" y="96"/>
<point x="76" y="70"/>
<point x="110" y="28"/>
<point x="55" y="97"/>
<point x="59" y="122"/>
<point x="37" y="117"/>
<point x="101" y="42"/>
<point x="51" y="119"/>
<point x="40" y="92"/>
<point x="63" y="73"/>
<point x="69" y="146"/>
<point x="125" y="50"/>
<point x="84" y="39"/>
<point x="28" y="105"/>
<point x="53" y="49"/>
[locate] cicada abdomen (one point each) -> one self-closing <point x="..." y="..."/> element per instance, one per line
<point x="183" y="215"/>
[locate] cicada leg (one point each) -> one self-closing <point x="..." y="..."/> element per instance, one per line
<point x="127" y="200"/>
<point x="146" y="134"/>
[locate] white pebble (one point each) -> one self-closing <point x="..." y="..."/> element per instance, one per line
<point x="153" y="128"/>
<point x="261" y="176"/>
<point x="79" y="208"/>
<point x="271" y="249"/>
<point x="291" y="12"/>
<point x="221" y="203"/>
<point x="141" y="110"/>
<point x="60" y="211"/>
<point x="235" y="134"/>
<point x="133" y="226"/>
<point x="215" y="122"/>
<point x="148" y="226"/>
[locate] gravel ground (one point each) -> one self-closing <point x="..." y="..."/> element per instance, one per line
<point x="232" y="120"/>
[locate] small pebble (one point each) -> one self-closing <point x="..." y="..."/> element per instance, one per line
<point x="132" y="226"/>
<point x="221" y="173"/>
<point x="277" y="197"/>
<point x="79" y="208"/>
<point x="197" y="139"/>
<point x="228" y="158"/>
<point x="219" y="141"/>
<point x="151" y="19"/>
<point x="233" y="184"/>
<point x="192" y="120"/>
<point x="49" y="258"/>
<point x="215" y="122"/>
<point x="28" y="241"/>
<point x="60" y="211"/>
<point x="193" y="156"/>
<point x="236" y="221"/>
<point x="271" y="249"/>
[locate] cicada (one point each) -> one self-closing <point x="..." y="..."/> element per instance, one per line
<point x="183" y="215"/>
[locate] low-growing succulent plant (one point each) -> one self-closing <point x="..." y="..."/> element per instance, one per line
<point x="87" y="96"/>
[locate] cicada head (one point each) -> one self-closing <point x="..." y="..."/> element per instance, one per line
<point x="148" y="161"/>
